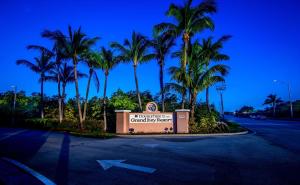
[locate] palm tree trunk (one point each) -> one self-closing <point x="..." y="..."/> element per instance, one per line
<point x="63" y="100"/>
<point x="190" y="96"/>
<point x="59" y="100"/>
<point x="207" y="100"/>
<point x="104" y="103"/>
<point x="42" y="97"/>
<point x="87" y="94"/>
<point x="183" y="100"/>
<point x="193" y="105"/>
<point x="77" y="92"/>
<point x="137" y="88"/>
<point x="186" y="45"/>
<point x="161" y="81"/>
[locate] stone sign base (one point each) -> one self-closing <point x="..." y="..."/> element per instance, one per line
<point x="152" y="122"/>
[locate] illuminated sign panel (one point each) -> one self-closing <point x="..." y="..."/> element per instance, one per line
<point x="150" y="118"/>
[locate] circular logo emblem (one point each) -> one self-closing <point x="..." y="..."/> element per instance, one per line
<point x="151" y="107"/>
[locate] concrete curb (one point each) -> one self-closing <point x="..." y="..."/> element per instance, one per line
<point x="182" y="135"/>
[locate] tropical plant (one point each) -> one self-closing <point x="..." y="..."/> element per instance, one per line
<point x="189" y="20"/>
<point x="120" y="100"/>
<point x="41" y="65"/>
<point x="273" y="100"/>
<point x="198" y="75"/>
<point x="75" y="44"/>
<point x="65" y="75"/>
<point x="135" y="51"/>
<point x="108" y="62"/>
<point x="178" y="88"/>
<point x="202" y="77"/>
<point x="92" y="60"/>
<point x="59" y="53"/>
<point x="210" y="52"/>
<point x="162" y="44"/>
<point x="54" y="75"/>
<point x="246" y="110"/>
<point x="95" y="108"/>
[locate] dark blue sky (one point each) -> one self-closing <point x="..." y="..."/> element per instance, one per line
<point x="265" y="43"/>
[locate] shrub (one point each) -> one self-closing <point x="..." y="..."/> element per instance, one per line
<point x="41" y="123"/>
<point x="94" y="125"/>
<point x="208" y="124"/>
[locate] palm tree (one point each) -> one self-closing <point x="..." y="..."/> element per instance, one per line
<point x="65" y="74"/>
<point x="189" y="20"/>
<point x="58" y="50"/>
<point x="135" y="51"/>
<point x="108" y="62"/>
<point x="162" y="44"/>
<point x="182" y="83"/>
<point x="55" y="77"/>
<point x="92" y="61"/>
<point x="75" y="44"/>
<point x="178" y="88"/>
<point x="41" y="66"/>
<point x="200" y="75"/>
<point x="211" y="53"/>
<point x="273" y="100"/>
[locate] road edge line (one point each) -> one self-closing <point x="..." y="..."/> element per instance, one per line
<point x="32" y="172"/>
<point x="12" y="134"/>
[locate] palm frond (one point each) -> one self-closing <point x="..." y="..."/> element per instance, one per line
<point x="96" y="81"/>
<point x="30" y="65"/>
<point x="41" y="49"/>
<point x="174" y="87"/>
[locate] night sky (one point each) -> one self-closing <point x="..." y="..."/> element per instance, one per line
<point x="265" y="44"/>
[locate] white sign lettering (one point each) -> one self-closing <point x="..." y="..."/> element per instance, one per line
<point x="150" y="118"/>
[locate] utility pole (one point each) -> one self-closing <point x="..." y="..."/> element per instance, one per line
<point x="290" y="96"/>
<point x="220" y="89"/>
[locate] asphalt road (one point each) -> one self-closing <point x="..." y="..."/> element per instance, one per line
<point x="269" y="155"/>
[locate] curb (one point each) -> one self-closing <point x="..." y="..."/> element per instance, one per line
<point x="182" y="135"/>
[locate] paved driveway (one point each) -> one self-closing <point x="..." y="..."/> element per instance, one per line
<point x="268" y="156"/>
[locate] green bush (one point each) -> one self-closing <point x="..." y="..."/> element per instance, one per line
<point x="41" y="123"/>
<point x="208" y="123"/>
<point x="94" y="125"/>
<point x="89" y="125"/>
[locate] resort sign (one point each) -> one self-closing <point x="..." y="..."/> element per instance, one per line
<point x="152" y="121"/>
<point x="150" y="118"/>
<point x="151" y="115"/>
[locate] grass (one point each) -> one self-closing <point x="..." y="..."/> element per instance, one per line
<point x="93" y="129"/>
<point x="235" y="127"/>
<point x="85" y="133"/>
<point x="93" y="134"/>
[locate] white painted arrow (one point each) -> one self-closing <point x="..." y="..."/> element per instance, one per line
<point x="106" y="164"/>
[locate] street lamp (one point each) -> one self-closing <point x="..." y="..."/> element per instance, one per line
<point x="220" y="89"/>
<point x="289" y="91"/>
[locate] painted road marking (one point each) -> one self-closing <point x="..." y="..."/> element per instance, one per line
<point x="12" y="134"/>
<point x="37" y="175"/>
<point x="106" y="164"/>
<point x="151" y="145"/>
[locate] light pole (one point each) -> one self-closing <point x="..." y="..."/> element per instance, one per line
<point x="290" y="97"/>
<point x="220" y="89"/>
